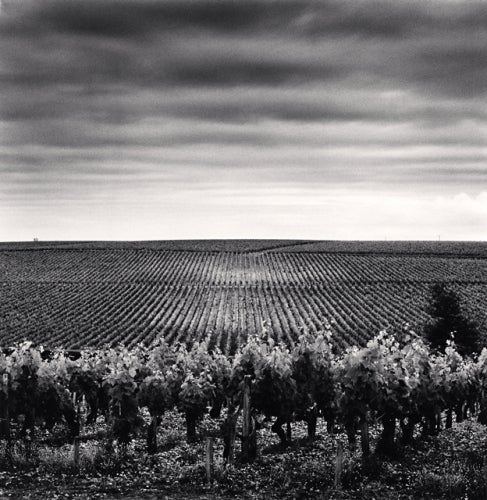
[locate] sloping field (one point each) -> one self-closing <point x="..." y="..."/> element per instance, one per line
<point x="179" y="245"/>
<point x="452" y="248"/>
<point x="86" y="294"/>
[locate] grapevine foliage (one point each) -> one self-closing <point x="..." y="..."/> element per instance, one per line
<point x="394" y="379"/>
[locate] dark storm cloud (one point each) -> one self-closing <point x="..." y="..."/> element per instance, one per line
<point x="251" y="72"/>
<point x="115" y="18"/>
<point x="149" y="42"/>
<point x="120" y="18"/>
<point x="66" y="110"/>
<point x="460" y="69"/>
<point x="143" y="18"/>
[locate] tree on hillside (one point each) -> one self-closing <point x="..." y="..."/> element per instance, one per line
<point x="449" y="321"/>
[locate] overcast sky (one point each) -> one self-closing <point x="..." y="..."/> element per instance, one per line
<point x="158" y="119"/>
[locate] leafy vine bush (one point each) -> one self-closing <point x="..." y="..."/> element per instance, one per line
<point x="314" y="371"/>
<point x="395" y="381"/>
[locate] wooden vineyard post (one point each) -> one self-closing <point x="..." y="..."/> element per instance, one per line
<point x="8" y="437"/>
<point x="76" y="438"/>
<point x="246" y="419"/>
<point x="229" y="430"/>
<point x="249" y="444"/>
<point x="364" y="436"/>
<point x="209" y="460"/>
<point x="449" y="418"/>
<point x="152" y="436"/>
<point x="288" y="431"/>
<point x="339" y="465"/>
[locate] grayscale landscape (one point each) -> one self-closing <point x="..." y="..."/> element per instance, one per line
<point x="243" y="249"/>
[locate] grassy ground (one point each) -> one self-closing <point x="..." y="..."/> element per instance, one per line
<point x="450" y="466"/>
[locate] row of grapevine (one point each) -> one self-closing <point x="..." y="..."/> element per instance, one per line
<point x="73" y="315"/>
<point x="234" y="269"/>
<point x="395" y="381"/>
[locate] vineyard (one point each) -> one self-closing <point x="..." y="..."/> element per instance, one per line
<point x="394" y="386"/>
<point x="394" y="378"/>
<point x="82" y="295"/>
<point x="241" y="350"/>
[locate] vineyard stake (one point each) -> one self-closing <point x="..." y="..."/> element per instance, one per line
<point x="8" y="451"/>
<point x="76" y="453"/>
<point x="229" y="430"/>
<point x="364" y="436"/>
<point x="152" y="436"/>
<point x="209" y="459"/>
<point x="339" y="465"/>
<point x="246" y="425"/>
<point x="76" y="438"/>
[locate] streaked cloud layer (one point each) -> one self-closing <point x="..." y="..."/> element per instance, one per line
<point x="146" y="119"/>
